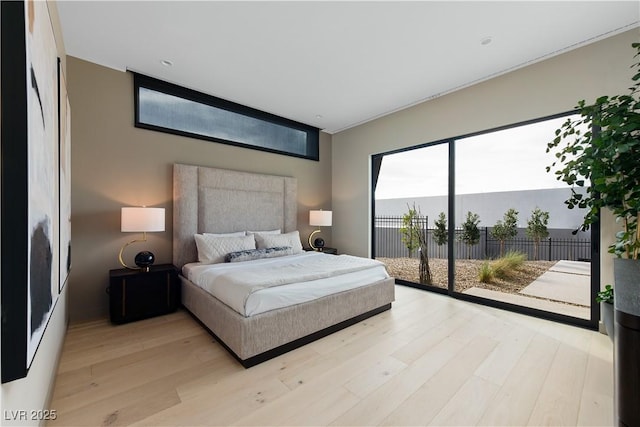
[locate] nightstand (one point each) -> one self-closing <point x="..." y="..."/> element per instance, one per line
<point x="134" y="295"/>
<point x="332" y="251"/>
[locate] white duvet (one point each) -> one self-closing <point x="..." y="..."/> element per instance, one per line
<point x="254" y="287"/>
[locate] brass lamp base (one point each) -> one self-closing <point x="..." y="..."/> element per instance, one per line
<point x="144" y="268"/>
<point x="311" y="245"/>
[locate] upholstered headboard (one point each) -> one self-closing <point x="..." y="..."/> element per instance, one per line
<point x="220" y="201"/>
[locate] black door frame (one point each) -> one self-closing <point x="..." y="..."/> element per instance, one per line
<point x="592" y="323"/>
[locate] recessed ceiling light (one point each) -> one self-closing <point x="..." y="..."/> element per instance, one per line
<point x="166" y="62"/>
<point x="319" y="116"/>
<point x="486" y="40"/>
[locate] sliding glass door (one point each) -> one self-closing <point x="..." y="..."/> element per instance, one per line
<point x="480" y="218"/>
<point x="516" y="234"/>
<point x="410" y="216"/>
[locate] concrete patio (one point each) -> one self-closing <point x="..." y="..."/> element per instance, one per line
<point x="563" y="289"/>
<point x="566" y="281"/>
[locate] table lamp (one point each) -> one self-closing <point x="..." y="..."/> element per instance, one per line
<point x="140" y="220"/>
<point x="319" y="219"/>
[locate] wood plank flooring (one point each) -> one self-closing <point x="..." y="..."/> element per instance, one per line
<point x="430" y="360"/>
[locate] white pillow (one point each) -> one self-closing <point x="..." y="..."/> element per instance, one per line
<point x="291" y="239"/>
<point x="278" y="231"/>
<point x="234" y="234"/>
<point x="212" y="249"/>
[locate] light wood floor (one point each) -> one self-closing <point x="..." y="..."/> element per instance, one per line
<point x="430" y="360"/>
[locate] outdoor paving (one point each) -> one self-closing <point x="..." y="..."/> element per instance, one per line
<point x="574" y="267"/>
<point x="525" y="301"/>
<point x="567" y="281"/>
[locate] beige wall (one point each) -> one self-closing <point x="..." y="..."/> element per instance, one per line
<point x="545" y="88"/>
<point x="33" y="392"/>
<point x="116" y="164"/>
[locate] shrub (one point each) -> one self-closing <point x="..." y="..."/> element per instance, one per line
<point x="411" y="229"/>
<point x="502" y="267"/>
<point x="470" y="232"/>
<point x="486" y="273"/>
<point x="514" y="259"/>
<point x="606" y="295"/>
<point x="537" y="228"/>
<point x="440" y="234"/>
<point x="506" y="229"/>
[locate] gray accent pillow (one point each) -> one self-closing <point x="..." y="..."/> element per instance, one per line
<point x="251" y="254"/>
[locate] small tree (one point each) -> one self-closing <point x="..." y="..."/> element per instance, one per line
<point x="410" y="230"/>
<point x="506" y="229"/>
<point x="424" y="270"/>
<point x="440" y="234"/>
<point x="470" y="232"/>
<point x="537" y="228"/>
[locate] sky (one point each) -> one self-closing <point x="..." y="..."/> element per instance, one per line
<point x="508" y="160"/>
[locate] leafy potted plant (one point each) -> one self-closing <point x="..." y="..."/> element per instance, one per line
<point x="603" y="147"/>
<point x="605" y="298"/>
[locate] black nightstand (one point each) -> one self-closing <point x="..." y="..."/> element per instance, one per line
<point x="332" y="251"/>
<point x="134" y="295"/>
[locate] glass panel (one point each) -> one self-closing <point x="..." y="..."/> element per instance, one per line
<point x="514" y="238"/>
<point x="173" y="112"/>
<point x="169" y="108"/>
<point x="410" y="200"/>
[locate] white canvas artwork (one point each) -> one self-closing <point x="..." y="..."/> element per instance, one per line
<point x="43" y="211"/>
<point x="65" y="182"/>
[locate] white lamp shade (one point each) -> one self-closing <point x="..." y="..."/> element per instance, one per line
<point x="142" y="219"/>
<point x="320" y="218"/>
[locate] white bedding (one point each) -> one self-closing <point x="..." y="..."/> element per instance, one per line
<point x="254" y="287"/>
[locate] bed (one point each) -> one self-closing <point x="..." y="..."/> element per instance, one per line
<point x="221" y="203"/>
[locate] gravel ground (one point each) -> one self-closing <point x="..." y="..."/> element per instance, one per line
<point x="466" y="273"/>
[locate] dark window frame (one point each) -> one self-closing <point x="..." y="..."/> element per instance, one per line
<point x="146" y="82"/>
<point x="592" y="323"/>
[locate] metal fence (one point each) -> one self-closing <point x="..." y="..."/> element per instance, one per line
<point x="388" y="244"/>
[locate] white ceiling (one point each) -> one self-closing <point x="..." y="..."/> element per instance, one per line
<point x="333" y="65"/>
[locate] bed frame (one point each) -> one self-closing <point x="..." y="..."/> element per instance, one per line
<point x="220" y="201"/>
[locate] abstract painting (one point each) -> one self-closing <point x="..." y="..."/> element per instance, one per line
<point x="42" y="102"/>
<point x="31" y="186"/>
